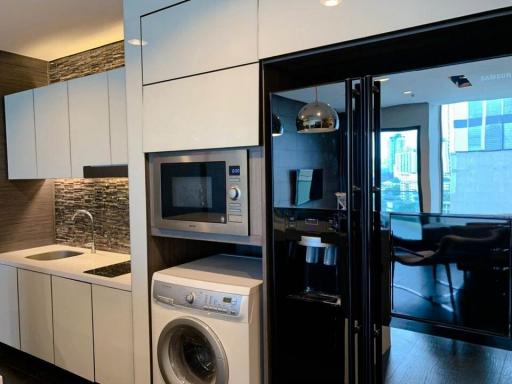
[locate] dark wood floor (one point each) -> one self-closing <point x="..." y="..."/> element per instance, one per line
<point x="415" y="358"/>
<point x="19" y="368"/>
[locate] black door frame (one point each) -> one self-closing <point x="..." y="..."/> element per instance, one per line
<point x="464" y="39"/>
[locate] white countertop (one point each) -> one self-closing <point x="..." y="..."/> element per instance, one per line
<point x="71" y="267"/>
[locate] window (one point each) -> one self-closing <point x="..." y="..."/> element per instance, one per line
<point x="400" y="170"/>
<point x="476" y="153"/>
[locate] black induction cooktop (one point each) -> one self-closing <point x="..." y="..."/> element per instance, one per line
<point x="113" y="270"/>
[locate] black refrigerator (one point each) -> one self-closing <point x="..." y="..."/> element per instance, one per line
<point x="319" y="152"/>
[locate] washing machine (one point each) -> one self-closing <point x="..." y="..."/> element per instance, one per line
<point x="206" y="322"/>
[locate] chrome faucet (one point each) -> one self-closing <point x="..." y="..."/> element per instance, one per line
<point x="89" y="215"/>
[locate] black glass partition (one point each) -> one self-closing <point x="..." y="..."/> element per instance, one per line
<point x="453" y="270"/>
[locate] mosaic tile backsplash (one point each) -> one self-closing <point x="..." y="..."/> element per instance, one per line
<point x="86" y="63"/>
<point x="106" y="199"/>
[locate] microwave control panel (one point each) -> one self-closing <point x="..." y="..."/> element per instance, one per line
<point x="234" y="192"/>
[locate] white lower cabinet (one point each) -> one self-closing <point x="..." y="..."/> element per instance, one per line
<point x="113" y="335"/>
<point x="36" y="320"/>
<point x="82" y="328"/>
<point x="72" y="323"/>
<point x="9" y="315"/>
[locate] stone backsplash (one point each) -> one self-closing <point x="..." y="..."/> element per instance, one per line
<point x="86" y="63"/>
<point x="106" y="199"/>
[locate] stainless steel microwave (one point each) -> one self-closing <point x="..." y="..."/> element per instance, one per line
<point x="203" y="191"/>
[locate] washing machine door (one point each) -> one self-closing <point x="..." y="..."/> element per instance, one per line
<point x="189" y="352"/>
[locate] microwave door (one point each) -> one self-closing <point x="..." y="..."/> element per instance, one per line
<point x="194" y="192"/>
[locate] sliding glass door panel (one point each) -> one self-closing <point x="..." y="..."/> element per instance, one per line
<point x="446" y="183"/>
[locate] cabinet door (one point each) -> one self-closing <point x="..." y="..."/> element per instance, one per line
<point x="72" y="323"/>
<point x="214" y="110"/>
<point x="113" y="335"/>
<point x="9" y="315"/>
<point x="36" y="321"/>
<point x="198" y="36"/>
<point x="52" y="131"/>
<point x="117" y="108"/>
<point x="289" y="26"/>
<point x="89" y="122"/>
<point x="21" y="136"/>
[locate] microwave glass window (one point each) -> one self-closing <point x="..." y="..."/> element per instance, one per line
<point x="194" y="191"/>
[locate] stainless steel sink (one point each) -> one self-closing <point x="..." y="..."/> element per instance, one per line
<point x="54" y="255"/>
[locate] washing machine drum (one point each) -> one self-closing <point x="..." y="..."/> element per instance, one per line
<point x="189" y="352"/>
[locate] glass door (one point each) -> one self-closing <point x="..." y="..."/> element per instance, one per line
<point x="445" y="179"/>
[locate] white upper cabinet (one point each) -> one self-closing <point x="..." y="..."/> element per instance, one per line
<point x="289" y="26"/>
<point x="21" y="135"/>
<point x="117" y="108"/>
<point x="214" y="110"/>
<point x="198" y="36"/>
<point x="52" y="131"/>
<point x="89" y="122"/>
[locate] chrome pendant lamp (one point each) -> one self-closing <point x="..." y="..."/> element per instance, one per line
<point x="317" y="117"/>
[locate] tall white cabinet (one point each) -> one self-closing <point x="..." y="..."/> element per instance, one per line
<point x="214" y="110"/>
<point x="36" y="317"/>
<point x="9" y="315"/>
<point x="53" y="146"/>
<point x="198" y="36"/>
<point x="21" y="136"/>
<point x="201" y="76"/>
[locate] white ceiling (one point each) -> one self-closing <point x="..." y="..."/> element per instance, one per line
<point x="50" y="29"/>
<point x="431" y="85"/>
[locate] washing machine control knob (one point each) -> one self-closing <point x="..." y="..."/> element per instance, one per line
<point x="190" y="298"/>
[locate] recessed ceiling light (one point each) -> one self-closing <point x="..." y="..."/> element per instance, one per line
<point x="330" y="3"/>
<point x="383" y="79"/>
<point x="137" y="42"/>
